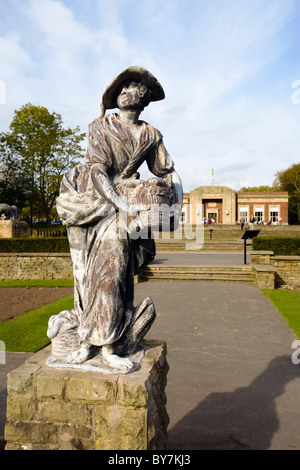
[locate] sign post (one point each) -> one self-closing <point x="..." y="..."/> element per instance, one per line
<point x="248" y="235"/>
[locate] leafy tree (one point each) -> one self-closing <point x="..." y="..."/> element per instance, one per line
<point x="259" y="189"/>
<point x="42" y="150"/>
<point x="14" y="183"/>
<point x="289" y="180"/>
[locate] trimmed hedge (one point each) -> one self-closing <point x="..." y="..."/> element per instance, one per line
<point x="289" y="246"/>
<point x="35" y="245"/>
<point x="279" y="245"/>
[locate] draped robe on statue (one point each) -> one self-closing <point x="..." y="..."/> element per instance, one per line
<point x="104" y="263"/>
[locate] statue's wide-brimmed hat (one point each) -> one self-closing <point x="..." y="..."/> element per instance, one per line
<point x="109" y="98"/>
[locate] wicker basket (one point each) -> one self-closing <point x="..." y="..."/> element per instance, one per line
<point x="64" y="343"/>
<point x="156" y="194"/>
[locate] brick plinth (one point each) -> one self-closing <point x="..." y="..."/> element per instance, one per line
<point x="68" y="409"/>
<point x="14" y="229"/>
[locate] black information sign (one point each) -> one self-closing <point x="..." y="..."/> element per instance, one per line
<point x="248" y="235"/>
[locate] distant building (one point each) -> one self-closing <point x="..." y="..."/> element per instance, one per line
<point x="266" y="207"/>
<point x="222" y="205"/>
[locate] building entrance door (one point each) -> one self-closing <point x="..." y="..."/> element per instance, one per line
<point x="212" y="216"/>
<point x="213" y="209"/>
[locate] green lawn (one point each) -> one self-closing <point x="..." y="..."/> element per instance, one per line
<point x="28" y="333"/>
<point x="39" y="283"/>
<point x="288" y="304"/>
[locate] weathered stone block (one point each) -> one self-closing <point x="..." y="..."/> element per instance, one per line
<point x="132" y="392"/>
<point x="20" y="381"/>
<point x="24" y="432"/>
<point x="22" y="408"/>
<point x="68" y="409"/>
<point x="75" y="437"/>
<point x="92" y="387"/>
<point x="120" y="428"/>
<point x="60" y="412"/>
<point x="51" y="384"/>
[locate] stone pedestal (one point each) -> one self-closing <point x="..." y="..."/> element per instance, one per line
<point x="14" y="229"/>
<point x="69" y="409"/>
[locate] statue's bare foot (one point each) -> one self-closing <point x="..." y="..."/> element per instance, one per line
<point x="121" y="364"/>
<point x="79" y="356"/>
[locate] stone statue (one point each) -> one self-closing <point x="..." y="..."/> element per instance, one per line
<point x="8" y="212"/>
<point x="109" y="214"/>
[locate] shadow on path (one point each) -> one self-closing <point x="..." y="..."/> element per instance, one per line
<point x="245" y="419"/>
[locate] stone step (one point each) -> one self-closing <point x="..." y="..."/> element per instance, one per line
<point x="217" y="273"/>
<point x="172" y="245"/>
<point x="200" y="267"/>
<point x="196" y="277"/>
<point x="229" y="233"/>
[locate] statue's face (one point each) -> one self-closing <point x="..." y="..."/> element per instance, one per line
<point x="131" y="94"/>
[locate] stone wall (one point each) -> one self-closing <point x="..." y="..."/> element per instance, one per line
<point x="30" y="266"/>
<point x="286" y="269"/>
<point x="68" y="409"/>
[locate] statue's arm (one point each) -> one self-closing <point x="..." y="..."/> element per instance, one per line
<point x="105" y="188"/>
<point x="176" y="180"/>
<point x="161" y="164"/>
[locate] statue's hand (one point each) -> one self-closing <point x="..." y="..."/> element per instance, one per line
<point x="136" y="208"/>
<point x="134" y="222"/>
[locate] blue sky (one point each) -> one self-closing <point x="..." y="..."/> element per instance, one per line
<point x="227" y="68"/>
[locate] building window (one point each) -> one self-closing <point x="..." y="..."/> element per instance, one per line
<point x="274" y="214"/>
<point x="259" y="214"/>
<point x="244" y="212"/>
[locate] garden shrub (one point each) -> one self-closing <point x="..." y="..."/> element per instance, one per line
<point x="279" y="245"/>
<point x="35" y="245"/>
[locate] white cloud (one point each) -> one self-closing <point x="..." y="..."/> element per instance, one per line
<point x="228" y="96"/>
<point x="15" y="64"/>
<point x="11" y="53"/>
<point x="76" y="62"/>
<point x="58" y="24"/>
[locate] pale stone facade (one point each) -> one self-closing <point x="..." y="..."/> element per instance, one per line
<point x="225" y="206"/>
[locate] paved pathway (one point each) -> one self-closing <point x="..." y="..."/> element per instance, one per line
<point x="231" y="383"/>
<point x="200" y="259"/>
